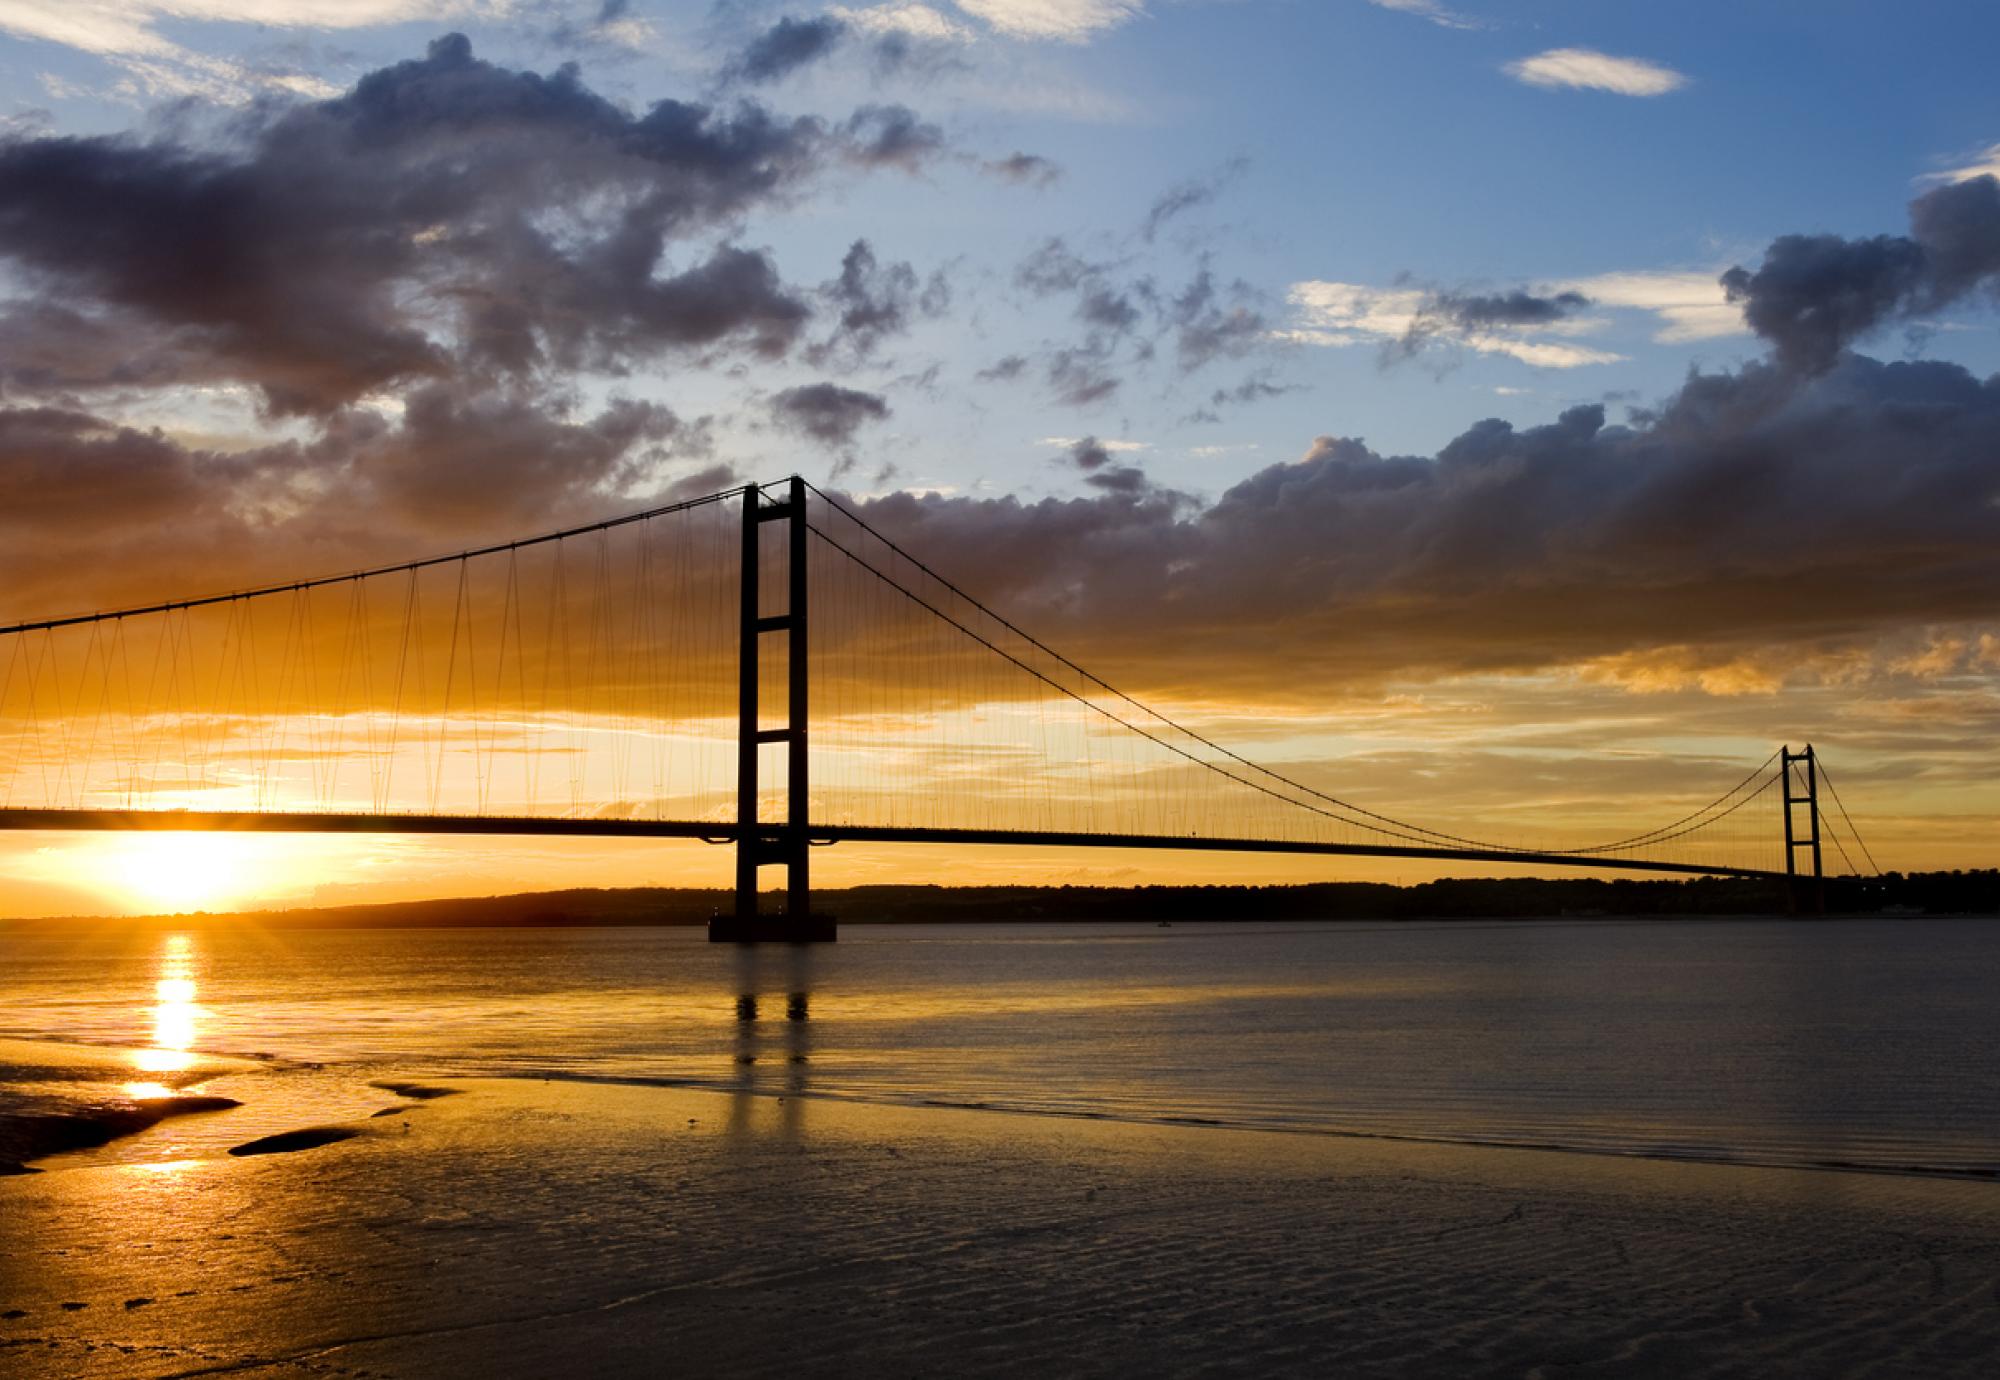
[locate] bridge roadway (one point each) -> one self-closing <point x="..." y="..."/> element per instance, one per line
<point x="354" y="822"/>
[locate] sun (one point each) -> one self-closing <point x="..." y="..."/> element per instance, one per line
<point x="175" y="872"/>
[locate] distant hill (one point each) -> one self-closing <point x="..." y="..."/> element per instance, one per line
<point x="1937" y="893"/>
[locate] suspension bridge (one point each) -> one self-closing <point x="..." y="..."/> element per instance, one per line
<point x="760" y="668"/>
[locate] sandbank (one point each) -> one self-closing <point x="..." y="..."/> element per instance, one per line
<point x="532" y="1228"/>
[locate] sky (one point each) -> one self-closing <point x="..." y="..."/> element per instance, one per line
<point x="1508" y="410"/>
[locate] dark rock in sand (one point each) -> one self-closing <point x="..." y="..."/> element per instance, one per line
<point x="31" y="1135"/>
<point x="420" y="1092"/>
<point x="310" y="1138"/>
<point x="137" y="1303"/>
<point x="183" y="1103"/>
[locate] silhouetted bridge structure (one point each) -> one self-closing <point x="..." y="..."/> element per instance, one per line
<point x="647" y="676"/>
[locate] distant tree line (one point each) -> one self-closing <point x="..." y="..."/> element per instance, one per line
<point x="1974" y="892"/>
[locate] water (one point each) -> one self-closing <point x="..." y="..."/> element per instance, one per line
<point x="1863" y="1043"/>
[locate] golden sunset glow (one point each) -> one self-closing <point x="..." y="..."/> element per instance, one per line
<point x="999" y="687"/>
<point x="173" y="872"/>
<point x="1499" y="545"/>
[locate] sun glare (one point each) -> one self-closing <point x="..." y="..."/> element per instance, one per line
<point x="185" y="871"/>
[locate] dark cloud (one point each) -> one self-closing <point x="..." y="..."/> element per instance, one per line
<point x="1029" y="169"/>
<point x="455" y="466"/>
<point x="924" y="381"/>
<point x="61" y="469"/>
<point x="1110" y="310"/>
<point x="50" y="349"/>
<point x="785" y="47"/>
<point x="1814" y="296"/>
<point x="1053" y="267"/>
<point x="1754" y="511"/>
<point x="445" y="218"/>
<point x="1183" y="197"/>
<point x="32" y="120"/>
<point x="1447" y="316"/>
<point x="435" y="274"/>
<point x="874" y="301"/>
<point x="1127" y="319"/>
<point x="1079" y="378"/>
<point x="891" y="136"/>
<point x="597" y="33"/>
<point x="1081" y="375"/>
<point x="472" y="462"/>
<point x="709" y="479"/>
<point x="1088" y="454"/>
<point x="1005" y="369"/>
<point x="208" y="250"/>
<point x="1475" y="311"/>
<point x="1120" y="479"/>
<point x="909" y="57"/>
<point x="1255" y="389"/>
<point x="603" y="319"/>
<point x="1093" y="459"/>
<point x="1207" y="327"/>
<point x="827" y="412"/>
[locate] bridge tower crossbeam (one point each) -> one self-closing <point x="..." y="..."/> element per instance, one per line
<point x="1798" y="776"/>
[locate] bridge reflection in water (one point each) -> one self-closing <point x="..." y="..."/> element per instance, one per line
<point x="770" y="1069"/>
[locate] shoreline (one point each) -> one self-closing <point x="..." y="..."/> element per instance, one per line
<point x="92" y="1126"/>
<point x="1205" y="1123"/>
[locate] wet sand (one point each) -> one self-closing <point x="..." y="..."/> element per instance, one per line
<point x="530" y="1228"/>
<point x="56" y="1097"/>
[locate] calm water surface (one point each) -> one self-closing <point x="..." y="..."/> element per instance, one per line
<point x="1867" y="1042"/>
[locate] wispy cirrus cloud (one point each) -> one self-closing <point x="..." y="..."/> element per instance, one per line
<point x="129" y="26"/>
<point x="1110" y="447"/>
<point x="1069" y="21"/>
<point x="1985" y="163"/>
<point x="1403" y="321"/>
<point x="1687" y="304"/>
<point x="1430" y="10"/>
<point x="1586" y="69"/>
<point x="125" y="33"/>
<point x="909" y="21"/>
<point x="1692" y="304"/>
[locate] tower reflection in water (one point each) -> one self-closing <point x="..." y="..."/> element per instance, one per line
<point x="772" y="1060"/>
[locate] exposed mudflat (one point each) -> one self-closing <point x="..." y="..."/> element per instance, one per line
<point x="531" y="1228"/>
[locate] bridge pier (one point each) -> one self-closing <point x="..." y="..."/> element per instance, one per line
<point x="784" y="845"/>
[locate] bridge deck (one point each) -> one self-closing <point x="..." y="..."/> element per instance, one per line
<point x="337" y="822"/>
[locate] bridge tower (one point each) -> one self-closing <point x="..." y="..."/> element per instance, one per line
<point x="1798" y="774"/>
<point x="758" y="844"/>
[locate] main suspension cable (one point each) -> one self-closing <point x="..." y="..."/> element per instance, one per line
<point x="1859" y="842"/>
<point x="1402" y="827"/>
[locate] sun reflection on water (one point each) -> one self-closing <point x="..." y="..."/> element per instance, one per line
<point x="166" y="1166"/>
<point x="175" y="1017"/>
